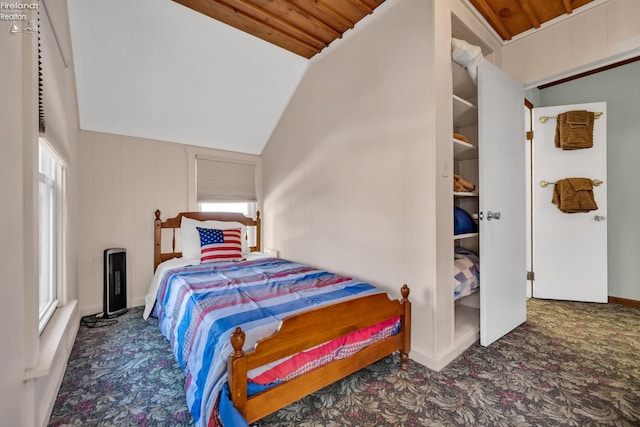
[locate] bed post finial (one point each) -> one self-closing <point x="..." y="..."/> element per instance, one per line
<point x="237" y="341"/>
<point x="404" y="290"/>
<point x="157" y="213"/>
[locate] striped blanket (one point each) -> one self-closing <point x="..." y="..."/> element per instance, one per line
<point x="198" y="307"/>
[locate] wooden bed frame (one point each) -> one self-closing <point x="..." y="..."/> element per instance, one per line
<point x="300" y="332"/>
<point x="174" y="224"/>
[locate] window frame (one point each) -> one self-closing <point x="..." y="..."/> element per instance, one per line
<point x="53" y="177"/>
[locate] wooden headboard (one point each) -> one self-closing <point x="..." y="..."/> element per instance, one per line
<point x="174" y="223"/>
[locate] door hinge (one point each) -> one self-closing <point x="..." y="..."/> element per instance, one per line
<point x="530" y="135"/>
<point x="531" y="275"/>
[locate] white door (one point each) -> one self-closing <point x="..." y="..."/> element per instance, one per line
<point x="569" y="250"/>
<point x="502" y="203"/>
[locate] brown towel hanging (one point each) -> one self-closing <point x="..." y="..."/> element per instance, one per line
<point x="574" y="130"/>
<point x="573" y="195"/>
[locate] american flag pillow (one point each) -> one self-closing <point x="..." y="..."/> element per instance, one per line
<point x="220" y="245"/>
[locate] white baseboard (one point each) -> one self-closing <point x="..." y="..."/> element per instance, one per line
<point x="439" y="363"/>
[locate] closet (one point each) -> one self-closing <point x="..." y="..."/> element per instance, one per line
<point x="487" y="146"/>
<point x="466" y="201"/>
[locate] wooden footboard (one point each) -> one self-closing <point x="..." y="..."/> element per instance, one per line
<point x="308" y="329"/>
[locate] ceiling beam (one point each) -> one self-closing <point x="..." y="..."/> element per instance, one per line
<point x="363" y="7"/>
<point x="494" y="20"/>
<point x="306" y="15"/>
<point x="281" y="22"/>
<point x="330" y="11"/>
<point x="252" y="25"/>
<point x="528" y="10"/>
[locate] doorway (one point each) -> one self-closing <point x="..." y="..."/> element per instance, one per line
<point x="567" y="250"/>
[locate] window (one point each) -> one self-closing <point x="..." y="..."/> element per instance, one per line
<point x="246" y="208"/>
<point x="49" y="197"/>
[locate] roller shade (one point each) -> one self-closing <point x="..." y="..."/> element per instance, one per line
<point x="225" y="180"/>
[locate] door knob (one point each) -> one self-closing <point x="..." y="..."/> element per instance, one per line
<point x="599" y="218"/>
<point x="490" y="215"/>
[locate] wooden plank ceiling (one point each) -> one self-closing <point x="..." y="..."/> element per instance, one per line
<point x="304" y="27"/>
<point x="512" y="17"/>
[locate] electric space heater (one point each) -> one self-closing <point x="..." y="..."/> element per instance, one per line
<point x="115" y="282"/>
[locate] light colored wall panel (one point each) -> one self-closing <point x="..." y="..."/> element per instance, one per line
<point x="598" y="36"/>
<point x="124" y="180"/>
<point x="622" y="22"/>
<point x="561" y="44"/>
<point x="86" y="225"/>
<point x="540" y="52"/>
<point x="588" y="36"/>
<point x="127" y="237"/>
<point x="143" y="207"/>
<point x="12" y="303"/>
<point x="348" y="175"/>
<point x="512" y="61"/>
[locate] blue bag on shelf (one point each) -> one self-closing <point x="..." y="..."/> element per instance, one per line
<point x="462" y="222"/>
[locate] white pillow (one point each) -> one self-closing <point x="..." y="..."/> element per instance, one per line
<point x="190" y="238"/>
<point x="467" y="55"/>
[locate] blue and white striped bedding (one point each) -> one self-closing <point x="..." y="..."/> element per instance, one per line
<point x="198" y="307"/>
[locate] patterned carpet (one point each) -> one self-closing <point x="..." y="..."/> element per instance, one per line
<point x="571" y="364"/>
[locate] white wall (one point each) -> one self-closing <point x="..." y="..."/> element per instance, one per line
<point x="32" y="365"/>
<point x="123" y="181"/>
<point x="348" y="180"/>
<point x="12" y="250"/>
<point x="603" y="34"/>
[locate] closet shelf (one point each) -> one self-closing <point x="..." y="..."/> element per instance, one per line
<point x="466" y="295"/>
<point x="465" y="194"/>
<point x="467" y="321"/>
<point x="464" y="112"/>
<point x="463" y="86"/>
<point x="465" y="236"/>
<point x="464" y="150"/>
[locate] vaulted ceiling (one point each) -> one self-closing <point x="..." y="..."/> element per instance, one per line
<point x="157" y="69"/>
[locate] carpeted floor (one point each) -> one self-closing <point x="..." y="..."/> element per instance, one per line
<point x="570" y="364"/>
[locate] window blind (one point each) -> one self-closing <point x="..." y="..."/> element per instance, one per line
<point x="225" y="180"/>
<point x="41" y="126"/>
